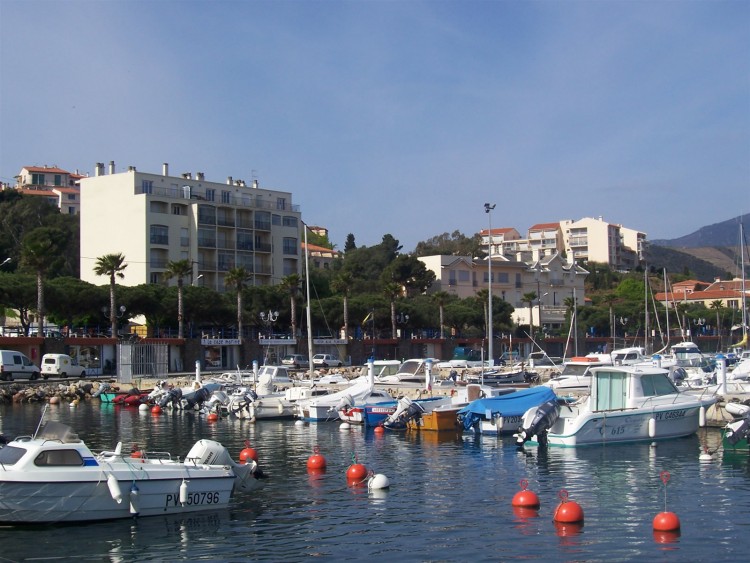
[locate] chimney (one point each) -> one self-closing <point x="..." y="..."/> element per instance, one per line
<point x="229" y="180"/>
<point x="165" y="169"/>
<point x="238" y="182"/>
<point x="187" y="176"/>
<point x="255" y="184"/>
<point x="131" y="168"/>
<point x="111" y="166"/>
<point x="199" y="176"/>
<point x="99" y="169"/>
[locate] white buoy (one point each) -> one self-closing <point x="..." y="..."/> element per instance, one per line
<point x="135" y="507"/>
<point x="344" y="426"/>
<point x="114" y="488"/>
<point x="183" y="492"/>
<point x="705" y="457"/>
<point x="143" y="407"/>
<point x="652" y="428"/>
<point x="299" y="422"/>
<point x="378" y="481"/>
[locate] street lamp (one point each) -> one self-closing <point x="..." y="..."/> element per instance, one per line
<point x="623" y="322"/>
<point x="4" y="262"/>
<point x="195" y="281"/>
<point x="118" y="315"/>
<point x="268" y="318"/>
<point x="402" y="319"/>
<point x="488" y="210"/>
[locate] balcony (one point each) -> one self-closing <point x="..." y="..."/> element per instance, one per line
<point x="159" y="239"/>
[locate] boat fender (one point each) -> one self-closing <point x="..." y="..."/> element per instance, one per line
<point x="281" y="407"/>
<point x="183" y="492"/>
<point x="135" y="505"/>
<point x="652" y="427"/>
<point x="114" y="488"/>
<point x="702" y="417"/>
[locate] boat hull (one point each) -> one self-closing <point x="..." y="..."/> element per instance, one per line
<point x="53" y="501"/>
<point x="439" y="420"/>
<point x="597" y="428"/>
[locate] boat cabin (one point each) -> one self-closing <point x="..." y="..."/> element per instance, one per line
<point x="619" y="389"/>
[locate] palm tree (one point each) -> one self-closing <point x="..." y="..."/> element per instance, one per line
<point x="343" y="284"/>
<point x="111" y="265"/>
<point x="179" y="269"/>
<point x="237" y="278"/>
<point x="392" y="290"/>
<point x="40" y="250"/>
<point x="291" y="284"/>
<point x="441" y="298"/>
<point x="529" y="298"/>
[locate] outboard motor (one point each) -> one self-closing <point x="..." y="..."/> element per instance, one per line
<point x="407" y="410"/>
<point x="198" y="398"/>
<point x="536" y="421"/>
<point x="739" y="428"/>
<point x="347" y="401"/>
<point x="103" y="387"/>
<point x="173" y="398"/>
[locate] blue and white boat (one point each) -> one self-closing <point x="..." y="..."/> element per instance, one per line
<point x="625" y="404"/>
<point x="503" y="414"/>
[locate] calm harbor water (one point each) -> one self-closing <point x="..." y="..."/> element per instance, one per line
<point x="450" y="497"/>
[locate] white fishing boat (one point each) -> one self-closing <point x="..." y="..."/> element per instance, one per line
<point x="411" y="372"/>
<point x="625" y="404"/>
<point x="53" y="477"/>
<point x="576" y="374"/>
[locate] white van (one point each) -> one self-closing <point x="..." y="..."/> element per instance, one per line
<point x="62" y="365"/>
<point x="15" y="365"/>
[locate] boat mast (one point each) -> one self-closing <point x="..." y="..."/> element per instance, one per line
<point x="743" y="343"/>
<point x="645" y="302"/>
<point x="310" y="366"/>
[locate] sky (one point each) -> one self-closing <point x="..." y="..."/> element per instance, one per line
<point x="400" y="117"/>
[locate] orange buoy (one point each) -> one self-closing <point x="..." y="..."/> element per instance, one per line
<point x="156" y="409"/>
<point x="379" y="430"/>
<point x="666" y="522"/>
<point x="316" y="461"/>
<point x="135" y="452"/>
<point x="568" y="511"/>
<point x="248" y="453"/>
<point x="525" y="498"/>
<point x="357" y="473"/>
<point x="212" y="417"/>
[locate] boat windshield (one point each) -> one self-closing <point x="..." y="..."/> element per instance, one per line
<point x="9" y="455"/>
<point x="657" y="384"/>
<point x="575" y="369"/>
<point x="413" y="367"/>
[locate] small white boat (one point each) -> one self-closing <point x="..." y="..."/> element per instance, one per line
<point x="53" y="477"/>
<point x="575" y="376"/>
<point x="625" y="404"/>
<point x="411" y="372"/>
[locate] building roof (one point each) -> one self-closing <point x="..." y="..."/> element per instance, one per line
<point x="500" y="231"/>
<point x="50" y="169"/>
<point x="544" y="226"/>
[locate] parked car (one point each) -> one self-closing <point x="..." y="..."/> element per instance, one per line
<point x="297" y="361"/>
<point x="326" y="360"/>
<point x="16" y="365"/>
<point x="62" y="365"/>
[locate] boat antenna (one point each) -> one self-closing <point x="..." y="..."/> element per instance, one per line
<point x="41" y="419"/>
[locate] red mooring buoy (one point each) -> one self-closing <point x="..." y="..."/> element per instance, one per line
<point x="316" y="461"/>
<point x="568" y="511"/>
<point x="248" y="453"/>
<point x="666" y="521"/>
<point x="156" y="409"/>
<point x="212" y="417"/>
<point x="525" y="498"/>
<point x="357" y="473"/>
<point x="379" y="430"/>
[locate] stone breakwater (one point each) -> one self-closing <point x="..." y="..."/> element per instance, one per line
<point x="48" y="392"/>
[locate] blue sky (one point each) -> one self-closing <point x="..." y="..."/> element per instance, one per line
<point x="398" y="117"/>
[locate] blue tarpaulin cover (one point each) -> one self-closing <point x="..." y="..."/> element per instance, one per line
<point x="512" y="404"/>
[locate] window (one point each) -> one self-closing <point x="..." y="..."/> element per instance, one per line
<point x="280" y="203"/>
<point x="147" y="186"/>
<point x="463" y="276"/>
<point x="184" y="237"/>
<point x="159" y="234"/>
<point x="611" y="390"/>
<point x="502" y="277"/>
<point x="226" y="196"/>
<point x="290" y="221"/>
<point x="276" y="220"/>
<point x="177" y="210"/>
<point x="72" y="197"/>
<point x="71" y="210"/>
<point x="210" y="194"/>
<point x="155" y="277"/>
<point x="58" y="179"/>
<point x="56" y="458"/>
<point x="291" y="245"/>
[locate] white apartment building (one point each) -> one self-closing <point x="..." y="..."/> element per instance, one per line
<point x="586" y="239"/>
<point x="153" y="219"/>
<point x="54" y="184"/>
<point x="551" y="279"/>
<point x="596" y="240"/>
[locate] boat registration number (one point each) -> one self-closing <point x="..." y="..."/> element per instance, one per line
<point x="192" y="499"/>
<point x="669" y="415"/>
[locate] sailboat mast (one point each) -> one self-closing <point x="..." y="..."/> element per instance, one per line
<point x="743" y="246"/>
<point x="645" y="302"/>
<point x="309" y="314"/>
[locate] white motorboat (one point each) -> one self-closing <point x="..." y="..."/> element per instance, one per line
<point x="576" y="375"/>
<point x="53" y="477"/>
<point x="411" y="372"/>
<point x="326" y="408"/>
<point x="625" y="404"/>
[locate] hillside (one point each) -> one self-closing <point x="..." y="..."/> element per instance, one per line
<point x="709" y="252"/>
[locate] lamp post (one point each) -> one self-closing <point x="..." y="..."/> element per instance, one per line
<point x="4" y="262"/>
<point x="268" y="318"/>
<point x="624" y="322"/>
<point x="113" y="318"/>
<point x="488" y="210"/>
<point x="402" y="319"/>
<point x="195" y="281"/>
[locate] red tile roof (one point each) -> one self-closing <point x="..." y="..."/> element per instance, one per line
<point x="50" y="169"/>
<point x="544" y="226"/>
